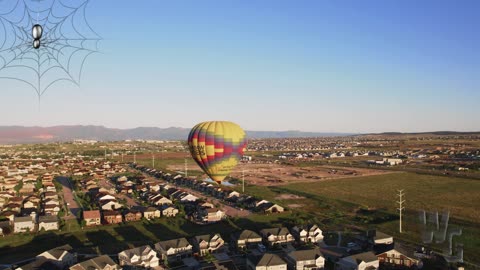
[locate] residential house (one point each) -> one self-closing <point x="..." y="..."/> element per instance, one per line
<point x="210" y="215"/>
<point x="246" y="239"/>
<point x="92" y="217"/>
<point x="159" y="200"/>
<point x="362" y="261"/>
<point x="275" y="236"/>
<point x="204" y="244"/>
<point x="174" y="249"/>
<point x="233" y="194"/>
<point x="307" y="234"/>
<point x="50" y="195"/>
<point x="48" y="223"/>
<point x="188" y="198"/>
<point x="62" y="257"/>
<point x="103" y="262"/>
<point x="30" y="204"/>
<point x="16" y="207"/>
<point x="395" y="255"/>
<point x="151" y="213"/>
<point x="23" y="224"/>
<point x="112" y="217"/>
<point x="143" y="256"/>
<point x="169" y="211"/>
<point x="51" y="210"/>
<point x="270" y="208"/>
<point x="111" y="205"/>
<point x="311" y="259"/>
<point x="132" y="215"/>
<point x="9" y="214"/>
<point x="206" y="205"/>
<point x="51" y="202"/>
<point x="106" y="197"/>
<point x="266" y="261"/>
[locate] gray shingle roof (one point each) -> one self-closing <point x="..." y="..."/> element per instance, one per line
<point x="267" y="259"/>
<point x="58" y="251"/>
<point x="95" y="263"/>
<point x="365" y="257"/>
<point x="303" y="255"/>
<point x="247" y="234"/>
<point x="174" y="243"/>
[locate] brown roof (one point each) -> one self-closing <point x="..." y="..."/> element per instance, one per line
<point x="91" y="214"/>
<point x="111" y="213"/>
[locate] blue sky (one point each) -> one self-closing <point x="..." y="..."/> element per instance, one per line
<point x="342" y="66"/>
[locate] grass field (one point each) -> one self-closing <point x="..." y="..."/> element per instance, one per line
<point x="460" y="196"/>
<point x="370" y="202"/>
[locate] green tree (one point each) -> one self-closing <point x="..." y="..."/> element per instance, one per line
<point x="18" y="186"/>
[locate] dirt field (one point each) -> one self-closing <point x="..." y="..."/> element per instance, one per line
<point x="278" y="174"/>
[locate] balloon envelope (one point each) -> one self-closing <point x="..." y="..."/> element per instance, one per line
<point x="217" y="147"/>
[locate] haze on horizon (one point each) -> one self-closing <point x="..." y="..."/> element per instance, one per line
<point x="322" y="66"/>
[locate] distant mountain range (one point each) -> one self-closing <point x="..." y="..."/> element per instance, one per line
<point x="438" y="133"/>
<point x="20" y="134"/>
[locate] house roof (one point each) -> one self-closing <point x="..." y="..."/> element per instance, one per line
<point x="91" y="214"/>
<point x="364" y="257"/>
<point x="139" y="251"/>
<point x="303" y="255"/>
<point x="111" y="213"/>
<point x="206" y="237"/>
<point x="151" y="209"/>
<point x="381" y="235"/>
<point x="23" y="219"/>
<point x="47" y="219"/>
<point x="267" y="259"/>
<point x="174" y="243"/>
<point x="247" y="234"/>
<point x="380" y="249"/>
<point x="275" y="231"/>
<point x="58" y="251"/>
<point x="95" y="263"/>
<point x="8" y="213"/>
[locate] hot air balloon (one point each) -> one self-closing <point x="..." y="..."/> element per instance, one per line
<point x="217" y="147"/>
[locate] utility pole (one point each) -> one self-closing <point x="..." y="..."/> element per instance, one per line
<point x="153" y="161"/>
<point x="122" y="157"/>
<point x="134" y="157"/>
<point x="401" y="207"/>
<point x="243" y="180"/>
<point x="186" y="168"/>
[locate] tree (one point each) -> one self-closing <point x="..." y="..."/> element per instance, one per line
<point x="19" y="186"/>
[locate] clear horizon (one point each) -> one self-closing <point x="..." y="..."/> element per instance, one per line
<point x="313" y="66"/>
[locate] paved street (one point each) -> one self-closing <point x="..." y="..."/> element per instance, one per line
<point x="69" y="197"/>
<point x="229" y="210"/>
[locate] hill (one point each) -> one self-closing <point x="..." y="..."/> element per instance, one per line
<point x="20" y="134"/>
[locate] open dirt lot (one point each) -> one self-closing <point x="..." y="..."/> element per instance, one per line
<point x="278" y="174"/>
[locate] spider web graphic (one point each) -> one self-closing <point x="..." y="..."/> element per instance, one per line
<point x="67" y="41"/>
